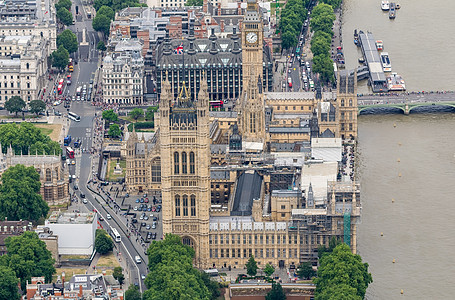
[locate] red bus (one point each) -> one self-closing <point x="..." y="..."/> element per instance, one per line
<point x="69" y="152"/>
<point x="60" y="89"/>
<point x="216" y="103"/>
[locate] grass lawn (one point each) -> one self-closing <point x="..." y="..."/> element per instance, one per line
<point x="140" y="119"/>
<point x="111" y="166"/>
<point x="69" y="272"/>
<point x="52" y="130"/>
<point x="109" y="261"/>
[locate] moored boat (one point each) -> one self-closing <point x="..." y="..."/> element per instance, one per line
<point x="395" y="82"/>
<point x="385" y="61"/>
<point x="385" y="6"/>
<point x="392" y="12"/>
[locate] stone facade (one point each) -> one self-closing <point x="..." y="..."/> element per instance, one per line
<point x="53" y="176"/>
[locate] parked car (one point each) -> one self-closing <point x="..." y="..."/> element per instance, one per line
<point x="133" y="221"/>
<point x="154" y="236"/>
<point x="148" y="227"/>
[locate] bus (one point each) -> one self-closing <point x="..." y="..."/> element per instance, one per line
<point x="212" y="272"/>
<point x="74" y="117"/>
<point x="60" y="89"/>
<point x="216" y="103"/>
<point x="115" y="235"/>
<point x="69" y="152"/>
<point x="67" y="140"/>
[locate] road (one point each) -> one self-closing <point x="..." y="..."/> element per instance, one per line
<point x="84" y="71"/>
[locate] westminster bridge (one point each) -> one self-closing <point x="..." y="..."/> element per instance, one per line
<point x="405" y="102"/>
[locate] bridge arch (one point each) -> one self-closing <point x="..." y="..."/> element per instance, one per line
<point x="385" y="109"/>
<point x="439" y="104"/>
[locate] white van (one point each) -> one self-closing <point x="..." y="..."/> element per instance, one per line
<point x="137" y="259"/>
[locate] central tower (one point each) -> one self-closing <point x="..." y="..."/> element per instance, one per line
<point x="252" y="42"/>
<point x="185" y="163"/>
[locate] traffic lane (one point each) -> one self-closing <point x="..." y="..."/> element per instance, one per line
<point x="135" y="269"/>
<point x="103" y="210"/>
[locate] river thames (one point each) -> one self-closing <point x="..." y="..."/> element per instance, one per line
<point x="414" y="211"/>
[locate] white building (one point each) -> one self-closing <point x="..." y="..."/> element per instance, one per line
<point x="75" y="231"/>
<point x="123" y="74"/>
<point x="23" y="67"/>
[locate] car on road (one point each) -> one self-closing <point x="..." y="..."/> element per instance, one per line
<point x="108" y="216"/>
<point x="75" y="188"/>
<point x="85" y="201"/>
<point x="101" y="218"/>
<point x="142" y="276"/>
<point x="74" y="176"/>
<point x="57" y="113"/>
<point x="73" y="162"/>
<point x="82" y="195"/>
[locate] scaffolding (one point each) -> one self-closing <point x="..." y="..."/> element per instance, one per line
<point x="347" y="228"/>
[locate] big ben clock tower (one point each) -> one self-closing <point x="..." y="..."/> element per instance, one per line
<point x="252" y="43"/>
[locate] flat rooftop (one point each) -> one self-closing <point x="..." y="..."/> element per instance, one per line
<point x="71" y="218"/>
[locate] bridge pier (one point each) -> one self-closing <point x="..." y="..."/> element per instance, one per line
<point x="406" y="109"/>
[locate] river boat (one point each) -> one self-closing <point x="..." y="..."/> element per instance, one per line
<point x="395" y="82"/>
<point x="392" y="12"/>
<point x="385" y="61"/>
<point x="356" y="37"/>
<point x="385" y="6"/>
<point x="379" y="45"/>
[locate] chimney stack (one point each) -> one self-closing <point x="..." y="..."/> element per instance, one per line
<point x="219" y="9"/>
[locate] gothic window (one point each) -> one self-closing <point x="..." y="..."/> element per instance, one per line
<point x="342" y="102"/>
<point x="156" y="170"/>
<point x="185" y="205"/>
<point x="184" y="163"/>
<point x="176" y="163"/>
<point x="192" y="171"/>
<point x="177" y="205"/>
<point x="56" y="173"/>
<point x="350" y="102"/>
<point x="48" y="175"/>
<point x="193" y="205"/>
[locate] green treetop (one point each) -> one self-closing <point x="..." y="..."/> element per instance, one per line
<point x="68" y="40"/>
<point x="37" y="106"/>
<point x="269" y="270"/>
<point x="276" y="293"/>
<point x="19" y="194"/>
<point x="110" y="115"/>
<point x="133" y="293"/>
<point x="193" y="3"/>
<point x="28" y="257"/>
<point x="342" y="268"/>
<point x="15" y="104"/>
<point x="114" y="131"/>
<point x="251" y="266"/>
<point x="102" y="23"/>
<point x="103" y="242"/>
<point x="8" y="284"/>
<point x="65" y="16"/>
<point x="60" y="58"/>
<point x="107" y="11"/>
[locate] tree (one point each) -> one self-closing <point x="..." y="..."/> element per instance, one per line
<point x="212" y="285"/>
<point x="14" y="104"/>
<point x="102" y="23"/>
<point x="118" y="274"/>
<point x="107" y="11"/>
<point x="133" y="293"/>
<point x="63" y="3"/>
<point x="333" y="3"/>
<point x="68" y="40"/>
<point x="110" y="115"/>
<point x="269" y="270"/>
<point x="101" y="46"/>
<point x="26" y="138"/>
<point x="251" y="266"/>
<point x="37" y="106"/>
<point x="339" y="268"/>
<point x="276" y="293"/>
<point x="103" y="242"/>
<point x="150" y="113"/>
<point x="114" y="131"/>
<point x="65" y="16"/>
<point x="173" y="276"/>
<point x="60" y="58"/>
<point x="323" y="65"/>
<point x="305" y="271"/>
<point x="136" y="113"/>
<point x="193" y="3"/>
<point x="28" y="257"/>
<point x="8" y="284"/>
<point x="319" y="46"/>
<point x="322" y="249"/>
<point x="288" y="40"/>
<point x="338" y="292"/>
<point x="19" y="194"/>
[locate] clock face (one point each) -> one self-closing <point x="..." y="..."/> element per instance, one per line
<point x="251" y="37"/>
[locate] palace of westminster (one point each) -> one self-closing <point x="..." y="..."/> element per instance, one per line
<point x="263" y="177"/>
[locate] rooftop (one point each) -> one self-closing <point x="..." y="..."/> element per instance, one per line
<point x="58" y="217"/>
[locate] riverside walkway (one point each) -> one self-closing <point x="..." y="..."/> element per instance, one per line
<point x="406" y="101"/>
